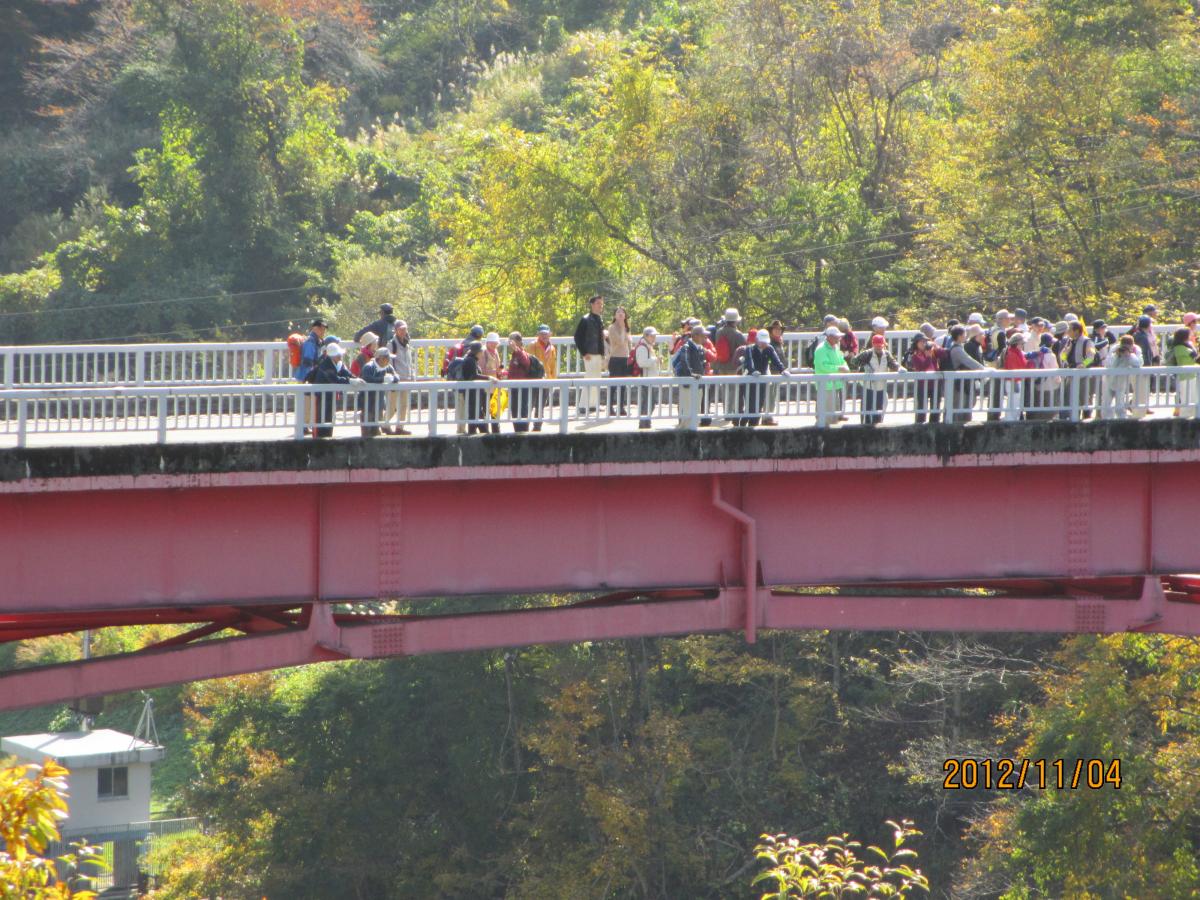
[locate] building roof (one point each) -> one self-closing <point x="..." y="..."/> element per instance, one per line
<point x="74" y="749"/>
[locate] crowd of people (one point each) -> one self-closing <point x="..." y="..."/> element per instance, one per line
<point x="1012" y="341"/>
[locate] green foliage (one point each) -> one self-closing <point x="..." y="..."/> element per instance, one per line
<point x="33" y="800"/>
<point x="834" y="869"/>
<point x="1130" y="698"/>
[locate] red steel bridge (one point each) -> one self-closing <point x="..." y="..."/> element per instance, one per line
<point x="264" y="548"/>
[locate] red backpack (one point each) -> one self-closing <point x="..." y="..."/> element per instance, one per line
<point x="634" y="369"/>
<point x="295" y="344"/>
<point x="723" y="349"/>
<point x="451" y="354"/>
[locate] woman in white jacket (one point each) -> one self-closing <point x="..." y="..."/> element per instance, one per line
<point x="649" y="366"/>
<point x="1047" y="394"/>
<point x="1119" y="369"/>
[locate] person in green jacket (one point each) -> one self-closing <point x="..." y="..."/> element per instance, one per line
<point x="828" y="360"/>
<point x="1183" y="353"/>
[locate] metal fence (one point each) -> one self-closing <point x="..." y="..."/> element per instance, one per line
<point x="266" y="362"/>
<point x="442" y="408"/>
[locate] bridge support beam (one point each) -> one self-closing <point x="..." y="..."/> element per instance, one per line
<point x="749" y="558"/>
<point x="316" y="634"/>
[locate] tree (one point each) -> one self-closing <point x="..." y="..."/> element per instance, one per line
<point x="33" y="799"/>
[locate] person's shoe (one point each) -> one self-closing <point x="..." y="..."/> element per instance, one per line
<point x="769" y="420"/>
<point x="402" y="432"/>
<point x="643" y="425"/>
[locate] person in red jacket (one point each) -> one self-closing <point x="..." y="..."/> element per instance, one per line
<point x="368" y="342"/>
<point x="926" y="356"/>
<point x="518" y="370"/>
<point x="1015" y="359"/>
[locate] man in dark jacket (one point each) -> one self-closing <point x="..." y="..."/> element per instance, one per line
<point x="761" y="359"/>
<point x="1147" y="345"/>
<point x="1143" y="336"/>
<point x="477" y="400"/>
<point x="691" y="361"/>
<point x="329" y="371"/>
<point x="378" y="370"/>
<point x="589" y="341"/>
<point x="381" y="326"/>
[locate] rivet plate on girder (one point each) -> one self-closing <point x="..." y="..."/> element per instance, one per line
<point x="1090" y="616"/>
<point x="387" y="640"/>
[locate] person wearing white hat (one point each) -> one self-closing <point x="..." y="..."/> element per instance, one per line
<point x="975" y="318"/>
<point x="761" y="359"/>
<point x="648" y="366"/>
<point x="366" y="344"/>
<point x="491" y="366"/>
<point x="402" y="365"/>
<point x="378" y="370"/>
<point x="828" y="360"/>
<point x="329" y="371"/>
<point x="879" y="325"/>
<point x="546" y="353"/>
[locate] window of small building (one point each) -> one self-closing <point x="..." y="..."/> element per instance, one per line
<point x="114" y="782"/>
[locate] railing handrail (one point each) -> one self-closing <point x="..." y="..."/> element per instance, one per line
<point x="280" y="344"/>
<point x="126" y="392"/>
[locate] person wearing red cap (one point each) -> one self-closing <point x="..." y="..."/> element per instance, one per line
<point x="873" y="361"/>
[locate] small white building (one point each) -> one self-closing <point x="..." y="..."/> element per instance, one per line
<point x="109" y="781"/>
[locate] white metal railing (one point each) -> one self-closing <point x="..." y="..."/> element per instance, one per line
<point x="438" y="408"/>
<point x="266" y="362"/>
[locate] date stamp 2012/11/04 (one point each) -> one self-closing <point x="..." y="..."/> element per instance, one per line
<point x="968" y="773"/>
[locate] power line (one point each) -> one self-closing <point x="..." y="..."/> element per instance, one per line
<point x="131" y="303"/>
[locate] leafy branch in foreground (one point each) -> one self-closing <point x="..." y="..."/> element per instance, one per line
<point x="33" y="800"/>
<point x="834" y="869"/>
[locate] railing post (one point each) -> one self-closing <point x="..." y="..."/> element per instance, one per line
<point x="1074" y="394"/>
<point x="270" y="358"/>
<point x="434" y="399"/>
<point x="564" y="406"/>
<point x="162" y="418"/>
<point x="9" y="366"/>
<point x="139" y="368"/>
<point x="301" y="413"/>
<point x="22" y="416"/>
<point x="695" y="392"/>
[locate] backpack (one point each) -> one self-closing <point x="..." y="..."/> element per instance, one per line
<point x="536" y="369"/>
<point x="452" y="354"/>
<point x="944" y="362"/>
<point x="810" y="352"/>
<point x="454" y="368"/>
<point x="295" y="345"/>
<point x="723" y="348"/>
<point x="634" y="369"/>
<point x="678" y="363"/>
